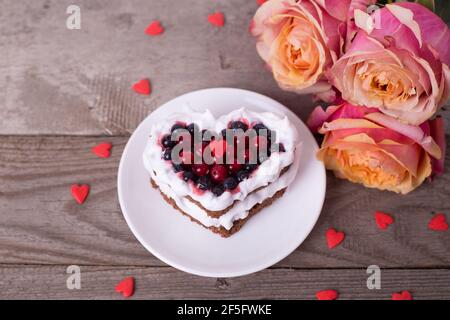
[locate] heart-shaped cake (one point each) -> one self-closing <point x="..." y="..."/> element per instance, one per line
<point x="220" y="172"/>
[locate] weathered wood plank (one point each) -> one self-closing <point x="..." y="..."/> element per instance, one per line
<point x="83" y="77"/>
<point x="49" y="282"/>
<point x="41" y="224"/>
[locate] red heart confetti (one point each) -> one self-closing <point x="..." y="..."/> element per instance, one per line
<point x="142" y="87"/>
<point x="126" y="287"/>
<point x="383" y="220"/>
<point x="102" y="150"/>
<point x="260" y="2"/>
<point x="327" y="295"/>
<point x="438" y="223"/>
<point x="404" y="295"/>
<point x="154" y="28"/>
<point x="334" y="238"/>
<point x="80" y="192"/>
<point x="217" y="19"/>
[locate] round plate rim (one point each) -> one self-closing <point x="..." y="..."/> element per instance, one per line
<point x="203" y="273"/>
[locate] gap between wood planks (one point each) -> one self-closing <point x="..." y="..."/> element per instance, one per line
<point x="122" y="266"/>
<point x="39" y="215"/>
<point x="48" y="282"/>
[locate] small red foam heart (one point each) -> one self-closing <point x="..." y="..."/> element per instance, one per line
<point x="383" y="220"/>
<point x="102" y="150"/>
<point x="334" y="238"/>
<point x="126" y="287"/>
<point x="404" y="295"/>
<point x="217" y="19"/>
<point x="142" y="87"/>
<point x="327" y="295"/>
<point x="154" y="28"/>
<point x="438" y="223"/>
<point x="80" y="192"/>
<point x="260" y="2"/>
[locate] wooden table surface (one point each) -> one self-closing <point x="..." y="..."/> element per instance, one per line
<point x="63" y="91"/>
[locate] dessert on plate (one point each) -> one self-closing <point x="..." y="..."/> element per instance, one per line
<point x="221" y="171"/>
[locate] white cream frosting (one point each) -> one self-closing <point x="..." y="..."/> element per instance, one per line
<point x="267" y="175"/>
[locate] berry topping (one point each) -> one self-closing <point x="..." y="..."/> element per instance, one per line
<point x="218" y="148"/>
<point x="192" y="128"/>
<point x="234" y="167"/>
<point x="207" y="136"/>
<point x="167" y="155"/>
<point x="177" y="167"/>
<point x="218" y="173"/>
<point x="177" y="126"/>
<point x="200" y="169"/>
<point x="218" y="190"/>
<point x="259" y="128"/>
<point x="230" y="183"/>
<point x="242" y="175"/>
<point x="204" y="183"/>
<point x="188" y="176"/>
<point x="224" y="132"/>
<point x="195" y="164"/>
<point x="260" y="143"/>
<point x="238" y="125"/>
<point x="241" y="141"/>
<point x="167" y="142"/>
<point x="262" y="130"/>
<point x="181" y="136"/>
<point x="186" y="157"/>
<point x="250" y="167"/>
<point x="199" y="148"/>
<point x="248" y="156"/>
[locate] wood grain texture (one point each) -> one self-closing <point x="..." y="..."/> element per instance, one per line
<point x="49" y="282"/>
<point x="83" y="77"/>
<point x="63" y="91"/>
<point x="42" y="224"/>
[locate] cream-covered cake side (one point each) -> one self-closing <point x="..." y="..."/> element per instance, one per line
<point x="263" y="184"/>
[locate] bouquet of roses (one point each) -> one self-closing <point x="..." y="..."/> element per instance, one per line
<point x="384" y="70"/>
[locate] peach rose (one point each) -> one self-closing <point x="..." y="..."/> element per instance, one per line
<point x="300" y="40"/>
<point x="365" y="146"/>
<point x="398" y="62"/>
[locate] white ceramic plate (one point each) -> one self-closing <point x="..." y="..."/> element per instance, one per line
<point x="265" y="239"/>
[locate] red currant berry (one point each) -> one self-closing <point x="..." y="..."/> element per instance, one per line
<point x="218" y="173"/>
<point x="234" y="167"/>
<point x="200" y="169"/>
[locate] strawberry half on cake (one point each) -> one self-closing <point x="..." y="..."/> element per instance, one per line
<point x="221" y="171"/>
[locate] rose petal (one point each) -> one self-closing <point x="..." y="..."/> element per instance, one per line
<point x="413" y="132"/>
<point x="433" y="30"/>
<point x="437" y="131"/>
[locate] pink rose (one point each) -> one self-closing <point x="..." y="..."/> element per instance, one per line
<point x="300" y="40"/>
<point x="366" y="146"/>
<point x="398" y="62"/>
